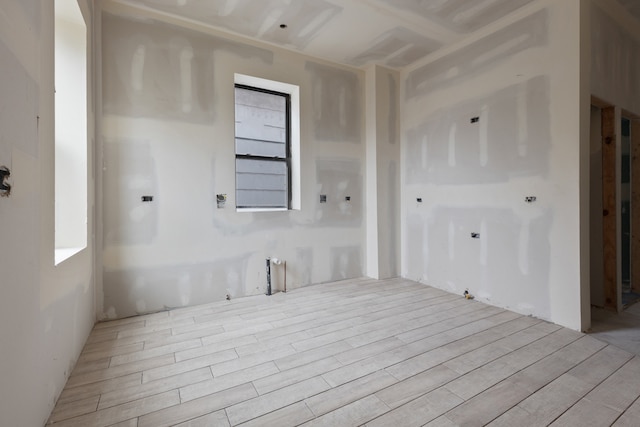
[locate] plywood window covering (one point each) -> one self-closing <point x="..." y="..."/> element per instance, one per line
<point x="263" y="155"/>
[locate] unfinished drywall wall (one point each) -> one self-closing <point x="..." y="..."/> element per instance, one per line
<point x="46" y="312"/>
<point x="184" y="92"/>
<point x="615" y="56"/>
<point x="510" y="139"/>
<point x="167" y="131"/>
<point x="336" y="106"/>
<point x="131" y="162"/>
<point x="383" y="172"/>
<point x="341" y="181"/>
<point x="388" y="171"/>
<point x="491" y="145"/>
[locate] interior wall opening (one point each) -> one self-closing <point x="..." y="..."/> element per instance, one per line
<point x="615" y="191"/>
<point x="70" y="130"/>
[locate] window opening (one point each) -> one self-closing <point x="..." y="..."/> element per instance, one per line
<point x="263" y="155"/>
<point x="70" y="70"/>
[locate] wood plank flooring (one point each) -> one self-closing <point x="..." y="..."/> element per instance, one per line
<point x="357" y="352"/>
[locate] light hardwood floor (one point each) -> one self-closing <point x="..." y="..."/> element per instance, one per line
<point x="381" y="353"/>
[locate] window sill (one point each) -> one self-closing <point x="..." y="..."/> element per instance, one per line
<point x="63" y="254"/>
<point x="261" y="209"/>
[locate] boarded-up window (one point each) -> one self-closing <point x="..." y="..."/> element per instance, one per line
<point x="262" y="148"/>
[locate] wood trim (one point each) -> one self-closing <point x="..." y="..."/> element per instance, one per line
<point x="609" y="208"/>
<point x="635" y="205"/>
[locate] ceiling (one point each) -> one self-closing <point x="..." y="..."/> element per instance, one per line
<point x="394" y="33"/>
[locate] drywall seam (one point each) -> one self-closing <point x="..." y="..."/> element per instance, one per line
<point x="479" y="34"/>
<point x="122" y="7"/>
<point x="412" y="21"/>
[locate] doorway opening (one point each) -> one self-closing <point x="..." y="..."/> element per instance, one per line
<point x="628" y="294"/>
<point x="615" y="192"/>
